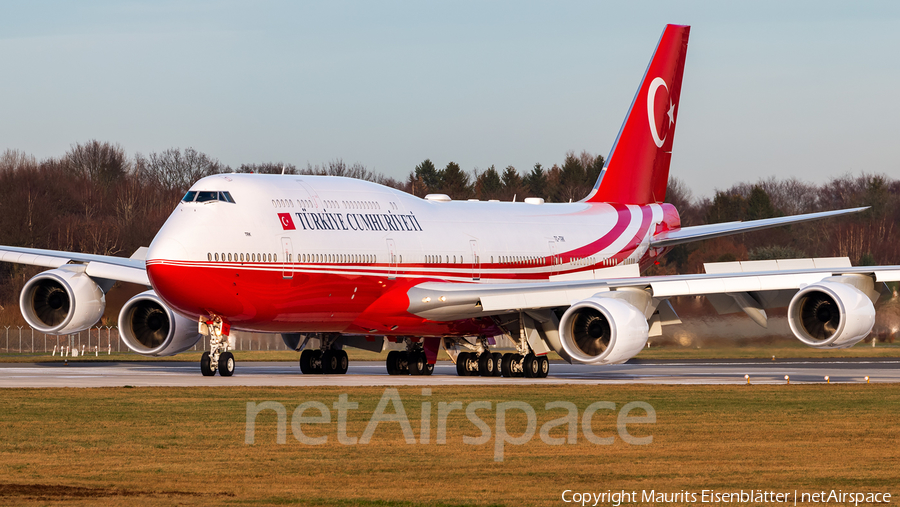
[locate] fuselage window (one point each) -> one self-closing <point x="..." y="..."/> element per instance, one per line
<point x="209" y="256"/>
<point x="189" y="197"/>
<point x="217" y="257"/>
<point x="241" y="257"/>
<point x="229" y="257"/>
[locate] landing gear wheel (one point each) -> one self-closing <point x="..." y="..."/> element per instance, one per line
<point x="403" y="362"/>
<point x="417" y="363"/>
<point x="506" y="365"/>
<point x="429" y="369"/>
<point x="392" y="363"/>
<point x="343" y="362"/>
<point x="226" y="364"/>
<point x="498" y="358"/>
<point x="531" y="366"/>
<point x="306" y="358"/>
<point x="206" y="365"/>
<point x="462" y="364"/>
<point x="543" y="367"/>
<point x="486" y="364"/>
<point x="331" y="362"/>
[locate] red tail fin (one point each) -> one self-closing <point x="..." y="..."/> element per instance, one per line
<point x="637" y="169"/>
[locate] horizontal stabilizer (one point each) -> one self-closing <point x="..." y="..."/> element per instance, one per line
<point x="701" y="232"/>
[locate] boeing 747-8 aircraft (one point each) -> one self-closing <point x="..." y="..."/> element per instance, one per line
<point x="337" y="263"/>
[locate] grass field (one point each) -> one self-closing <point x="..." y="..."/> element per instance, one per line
<point x="186" y="446"/>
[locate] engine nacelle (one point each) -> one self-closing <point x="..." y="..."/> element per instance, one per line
<point x="150" y="328"/>
<point x="602" y="330"/>
<point x="62" y="301"/>
<point x="831" y="314"/>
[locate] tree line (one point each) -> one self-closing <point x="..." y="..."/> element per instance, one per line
<point x="97" y="199"/>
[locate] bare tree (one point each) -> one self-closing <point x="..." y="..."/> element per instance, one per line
<point x="100" y="163"/>
<point x="176" y="170"/>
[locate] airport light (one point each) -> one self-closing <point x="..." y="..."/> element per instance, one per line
<point x="747" y="378"/>
<point x="773" y="358"/>
<point x="827" y="379"/>
<point x="867" y="379"/>
<point x="788" y="379"/>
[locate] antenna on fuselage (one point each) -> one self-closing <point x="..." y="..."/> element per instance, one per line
<point x="283" y="167"/>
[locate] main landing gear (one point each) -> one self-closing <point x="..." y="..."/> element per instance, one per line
<point x="327" y="359"/>
<point x="494" y="364"/>
<point x="479" y="360"/>
<point x="411" y="361"/>
<point x="218" y="358"/>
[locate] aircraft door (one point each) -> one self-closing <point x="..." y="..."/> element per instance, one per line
<point x="476" y="261"/>
<point x="392" y="259"/>
<point x="287" y="251"/>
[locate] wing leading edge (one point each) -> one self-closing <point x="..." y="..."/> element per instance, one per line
<point x="108" y="267"/>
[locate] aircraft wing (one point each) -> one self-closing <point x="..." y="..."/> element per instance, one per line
<point x="701" y="232"/>
<point x="767" y="281"/>
<point x="108" y="267"/>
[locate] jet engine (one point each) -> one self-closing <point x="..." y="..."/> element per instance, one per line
<point x="62" y="301"/>
<point x="151" y="328"/>
<point x="601" y="330"/>
<point x="831" y="314"/>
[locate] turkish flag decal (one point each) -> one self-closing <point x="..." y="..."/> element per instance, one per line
<point x="286" y="222"/>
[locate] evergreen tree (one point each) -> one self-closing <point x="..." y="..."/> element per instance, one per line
<point x="429" y="175"/>
<point x="512" y="184"/>
<point x="572" y="179"/>
<point x="759" y="205"/>
<point x="536" y="181"/>
<point x="726" y="207"/>
<point x="454" y="182"/>
<point x="488" y="184"/>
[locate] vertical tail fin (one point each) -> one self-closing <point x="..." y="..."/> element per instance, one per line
<point x="637" y="170"/>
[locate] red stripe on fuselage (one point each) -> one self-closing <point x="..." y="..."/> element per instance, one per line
<point x="346" y="297"/>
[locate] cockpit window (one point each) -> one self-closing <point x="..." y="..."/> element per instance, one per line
<point x="204" y="196"/>
<point x="207" y="196"/>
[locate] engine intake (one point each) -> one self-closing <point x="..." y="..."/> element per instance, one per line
<point x="62" y="301"/>
<point x="149" y="327"/>
<point x="831" y="314"/>
<point x="601" y="330"/>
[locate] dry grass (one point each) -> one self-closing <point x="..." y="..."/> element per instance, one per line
<point x="159" y="446"/>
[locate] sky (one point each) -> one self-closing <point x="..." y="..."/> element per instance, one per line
<point x="785" y="89"/>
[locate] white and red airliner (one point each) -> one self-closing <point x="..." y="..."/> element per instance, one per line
<point x="332" y="262"/>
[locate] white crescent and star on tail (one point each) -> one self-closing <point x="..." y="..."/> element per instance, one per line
<point x="651" y="116"/>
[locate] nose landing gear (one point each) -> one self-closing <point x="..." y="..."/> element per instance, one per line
<point x="218" y="358"/>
